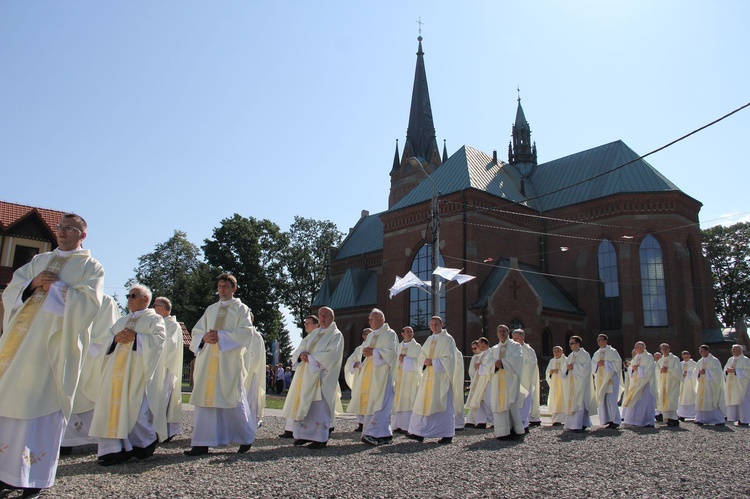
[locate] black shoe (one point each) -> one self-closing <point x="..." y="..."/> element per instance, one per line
<point x="446" y="440"/>
<point x="699" y="424"/>
<point x="359" y="428"/>
<point x="66" y="451"/>
<point x="330" y="430"/>
<point x="317" y="445"/>
<point x="244" y="448"/>
<point x="673" y="422"/>
<point x="681" y="419"/>
<point x="612" y="426"/>
<point x="145" y="452"/>
<point x="525" y="430"/>
<point x="470" y="425"/>
<point x="370" y="440"/>
<point x="742" y="424"/>
<point x="169" y="439"/>
<point x="287" y="434"/>
<point x="557" y="424"/>
<point x="400" y="431"/>
<point x="197" y="451"/>
<point x="301" y="441"/>
<point x="481" y="426"/>
<point x="415" y="437"/>
<point x="459" y="429"/>
<point x="660" y="418"/>
<point x="535" y="423"/>
<point x="31" y="493"/>
<point x="111" y="459"/>
<point x="385" y="440"/>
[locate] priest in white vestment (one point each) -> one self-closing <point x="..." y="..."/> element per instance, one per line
<point x="686" y="406"/>
<point x="580" y="398"/>
<point x="710" y="404"/>
<point x="434" y="411"/>
<point x="129" y="417"/>
<point x="352" y="368"/>
<point x="48" y="307"/>
<point x="79" y="424"/>
<point x="556" y="396"/>
<point x="374" y="393"/>
<point x="408" y="377"/>
<point x="227" y="351"/>
<point x="481" y="369"/>
<point x="668" y="382"/>
<point x="640" y="400"/>
<point x="607" y="367"/>
<point x="173" y="353"/>
<point x="529" y="406"/>
<point x="737" y="372"/>
<point x="310" y="324"/>
<point x="505" y="386"/>
<point x="311" y="398"/>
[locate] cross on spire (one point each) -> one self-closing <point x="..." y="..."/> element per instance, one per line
<point x="518" y="88"/>
<point x="419" y="21"/>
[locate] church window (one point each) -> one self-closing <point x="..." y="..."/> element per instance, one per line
<point x="515" y="324"/>
<point x="610" y="315"/>
<point x="420" y="302"/>
<point x="653" y="286"/>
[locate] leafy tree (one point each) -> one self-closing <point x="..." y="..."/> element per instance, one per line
<point x="171" y="270"/>
<point x="280" y="333"/>
<point x="252" y="249"/>
<point x="305" y="260"/>
<point x="728" y="251"/>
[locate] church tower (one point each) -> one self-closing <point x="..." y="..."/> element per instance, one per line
<point x="521" y="151"/>
<point x="420" y="139"/>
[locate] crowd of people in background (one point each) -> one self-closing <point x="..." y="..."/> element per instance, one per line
<point x="278" y="378"/>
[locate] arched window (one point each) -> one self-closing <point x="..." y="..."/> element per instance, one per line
<point x="515" y="324"/>
<point x="610" y="314"/>
<point x="653" y="287"/>
<point x="420" y="302"/>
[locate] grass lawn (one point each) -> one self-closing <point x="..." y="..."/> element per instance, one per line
<point x="272" y="401"/>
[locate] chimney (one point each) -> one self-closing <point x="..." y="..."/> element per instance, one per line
<point x="364" y="214"/>
<point x="494" y="157"/>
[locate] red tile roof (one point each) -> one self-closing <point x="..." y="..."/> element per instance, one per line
<point x="10" y="213"/>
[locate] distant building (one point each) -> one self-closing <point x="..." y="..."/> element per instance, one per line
<point x="598" y="241"/>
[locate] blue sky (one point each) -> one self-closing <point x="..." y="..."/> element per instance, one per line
<point x="146" y="117"/>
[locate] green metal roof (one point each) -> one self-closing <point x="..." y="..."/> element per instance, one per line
<point x="553" y="297"/>
<point x="357" y="288"/>
<point x="639" y="176"/>
<point x="367" y="236"/>
<point x="468" y="168"/>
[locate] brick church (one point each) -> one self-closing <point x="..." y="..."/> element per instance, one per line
<point x="598" y="241"/>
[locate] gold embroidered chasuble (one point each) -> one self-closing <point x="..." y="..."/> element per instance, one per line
<point x="603" y="377"/>
<point x="709" y="387"/>
<point x="432" y="394"/>
<point x="737" y="383"/>
<point x="320" y="382"/>
<point x="687" y="390"/>
<point x="506" y="382"/>
<point x="407" y="382"/>
<point x="579" y="384"/>
<point x="219" y="372"/>
<point x="133" y="370"/>
<point x="556" y="396"/>
<point x="668" y="383"/>
<point x="640" y="379"/>
<point x="369" y="390"/>
<point x="41" y="353"/>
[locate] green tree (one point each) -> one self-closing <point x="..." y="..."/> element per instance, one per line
<point x="280" y="333"/>
<point x="305" y="262"/>
<point x="728" y="251"/>
<point x="170" y="270"/>
<point x="252" y="249"/>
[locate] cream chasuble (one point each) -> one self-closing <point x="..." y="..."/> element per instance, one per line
<point x="604" y="375"/>
<point x="506" y="382"/>
<point x="407" y="382"/>
<point x="351" y="373"/>
<point x="173" y="354"/>
<point x="309" y="385"/>
<point x="642" y="375"/>
<point x="737" y="383"/>
<point x="129" y="375"/>
<point x="370" y="387"/>
<point x="432" y="394"/>
<point x="41" y="352"/>
<point x="709" y="387"/>
<point x="221" y="369"/>
<point x="579" y="384"/>
<point x="687" y="390"/>
<point x="668" y="383"/>
<point x="556" y="397"/>
<point x="480" y="378"/>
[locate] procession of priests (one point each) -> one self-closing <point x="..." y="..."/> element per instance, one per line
<point x="74" y="372"/>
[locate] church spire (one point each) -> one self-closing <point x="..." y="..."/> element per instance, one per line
<point x="521" y="151"/>
<point x="396" y="160"/>
<point x="420" y="136"/>
<point x="445" y="150"/>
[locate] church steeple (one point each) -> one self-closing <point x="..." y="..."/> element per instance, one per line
<point x="420" y="137"/>
<point x="521" y="151"/>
